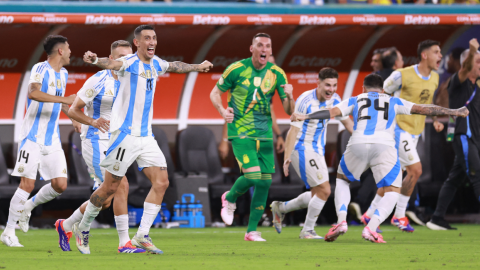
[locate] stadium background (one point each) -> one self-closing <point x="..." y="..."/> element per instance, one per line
<point x="305" y="39"/>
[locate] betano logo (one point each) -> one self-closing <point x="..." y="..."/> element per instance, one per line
<point x="215" y="20"/>
<point x="419" y="19"/>
<point x="6" y="19"/>
<point x="91" y="19"/>
<point x="314" y="61"/>
<point x="317" y="20"/>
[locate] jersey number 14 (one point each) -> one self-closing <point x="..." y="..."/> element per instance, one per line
<point x="376" y="106"/>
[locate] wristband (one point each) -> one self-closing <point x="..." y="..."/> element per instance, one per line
<point x="95" y="62"/>
<point x="225" y="140"/>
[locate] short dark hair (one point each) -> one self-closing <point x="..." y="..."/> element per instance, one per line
<point x="50" y="42"/>
<point x="373" y="81"/>
<point x="424" y="45"/>
<point x="389" y="57"/>
<point x="120" y="43"/>
<point x="456" y="52"/>
<point x="327" y="73"/>
<point x="378" y="51"/>
<point x="261" y="35"/>
<point x="140" y="28"/>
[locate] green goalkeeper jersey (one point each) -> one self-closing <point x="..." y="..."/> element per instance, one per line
<point x="250" y="94"/>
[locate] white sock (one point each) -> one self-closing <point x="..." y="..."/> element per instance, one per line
<point x="384" y="209"/>
<point x="401" y="206"/>
<point x="150" y="212"/>
<point x="74" y="218"/>
<point x="315" y="206"/>
<point x="342" y="199"/>
<point x="17" y="206"/>
<point x="90" y="213"/>
<point x="45" y="194"/>
<point x="299" y="202"/>
<point x="122" y="229"/>
<point x="373" y="206"/>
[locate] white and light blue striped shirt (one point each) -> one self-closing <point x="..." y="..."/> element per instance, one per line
<point x="312" y="135"/>
<point x="40" y="124"/>
<point x="374" y="117"/>
<point x="98" y="93"/>
<point x="133" y="108"/>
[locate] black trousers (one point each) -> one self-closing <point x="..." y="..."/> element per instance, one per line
<point x="466" y="166"/>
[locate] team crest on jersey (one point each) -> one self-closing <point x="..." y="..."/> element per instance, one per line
<point x="221" y="81"/>
<point x="89" y="93"/>
<point x="59" y="84"/>
<point x="424" y="95"/>
<point x="257" y="81"/>
<point x="116" y="167"/>
<point x="38" y="77"/>
<point x="319" y="176"/>
<point x="21" y="169"/>
<point x="51" y="84"/>
<point x="245" y="159"/>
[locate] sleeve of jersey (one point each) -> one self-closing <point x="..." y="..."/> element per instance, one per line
<point x="126" y="64"/>
<point x="402" y="106"/>
<point x="163" y="65"/>
<point x="227" y="80"/>
<point x="281" y="80"/>
<point x="337" y="101"/>
<point x="36" y="76"/>
<point x="346" y="106"/>
<point x="89" y="90"/>
<point x="300" y="108"/>
<point x="393" y="82"/>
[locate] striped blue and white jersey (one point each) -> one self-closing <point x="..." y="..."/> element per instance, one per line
<point x="40" y="124"/>
<point x="312" y="135"/>
<point x="98" y="93"/>
<point x="374" y="117"/>
<point x="133" y="108"/>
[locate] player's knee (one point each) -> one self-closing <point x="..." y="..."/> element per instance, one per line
<point x="106" y="204"/>
<point x="59" y="186"/>
<point x="264" y="184"/>
<point x="326" y="192"/>
<point x="160" y="185"/>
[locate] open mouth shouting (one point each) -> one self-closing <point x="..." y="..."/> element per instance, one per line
<point x="263" y="57"/>
<point x="151" y="51"/>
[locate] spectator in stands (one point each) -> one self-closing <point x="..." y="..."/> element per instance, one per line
<point x="376" y="63"/>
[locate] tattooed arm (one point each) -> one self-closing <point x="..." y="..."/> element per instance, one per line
<point x="103" y="63"/>
<point x="428" y="109"/>
<point x="180" y="67"/>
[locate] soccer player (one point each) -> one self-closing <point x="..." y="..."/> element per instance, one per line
<point x="372" y="145"/>
<point x="305" y="149"/>
<point x="97" y="96"/>
<point x="252" y="83"/>
<point x="416" y="84"/>
<point x="40" y="149"/>
<point x="463" y="90"/>
<point x="131" y="134"/>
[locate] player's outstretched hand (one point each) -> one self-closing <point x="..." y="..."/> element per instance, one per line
<point x="89" y="57"/>
<point x="297" y="117"/>
<point x="438" y="126"/>
<point x="69" y="100"/>
<point x="462" y="112"/>
<point x="473" y="44"/>
<point x="205" y="66"/>
<point x="228" y="115"/>
<point x="288" y="89"/>
<point x="102" y="124"/>
<point x="286" y="164"/>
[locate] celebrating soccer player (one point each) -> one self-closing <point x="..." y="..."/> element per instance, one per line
<point x="252" y="83"/>
<point x="131" y="133"/>
<point x="416" y="84"/>
<point x="372" y="145"/>
<point x="305" y="149"/>
<point x="97" y="96"/>
<point x="40" y="149"/>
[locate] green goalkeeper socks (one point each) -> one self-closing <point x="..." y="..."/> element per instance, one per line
<point x="242" y="185"/>
<point x="259" y="201"/>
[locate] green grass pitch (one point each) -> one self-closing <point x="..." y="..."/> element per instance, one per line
<point x="224" y="248"/>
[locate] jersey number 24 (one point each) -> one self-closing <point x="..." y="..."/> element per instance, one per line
<point x="376" y="106"/>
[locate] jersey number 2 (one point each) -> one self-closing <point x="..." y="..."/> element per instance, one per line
<point x="376" y="106"/>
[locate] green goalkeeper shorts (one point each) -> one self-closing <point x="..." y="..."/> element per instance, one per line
<point x="250" y="153"/>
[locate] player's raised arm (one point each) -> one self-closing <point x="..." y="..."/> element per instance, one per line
<point x="103" y="63"/>
<point x="467" y="64"/>
<point x="288" y="102"/>
<point x="429" y="109"/>
<point x="35" y="93"/>
<point x="180" y="67"/>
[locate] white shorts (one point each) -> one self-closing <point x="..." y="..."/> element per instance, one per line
<point x="93" y="152"/>
<point x="382" y="159"/>
<point x="310" y="166"/>
<point x="48" y="160"/>
<point x="124" y="149"/>
<point x="407" y="147"/>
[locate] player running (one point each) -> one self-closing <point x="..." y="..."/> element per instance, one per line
<point x="131" y="133"/>
<point x="40" y="149"/>
<point x="372" y="145"/>
<point x="97" y="96"/>
<point x="305" y="149"/>
<point x="252" y="83"/>
<point x="416" y="84"/>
